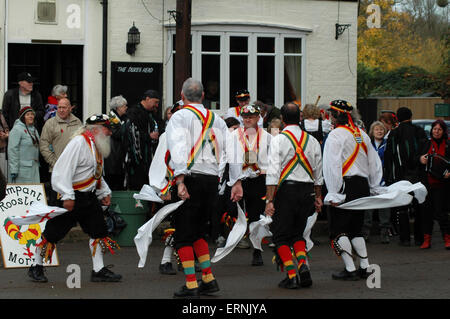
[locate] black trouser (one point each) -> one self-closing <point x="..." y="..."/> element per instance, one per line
<point x="87" y="212"/>
<point x="435" y="208"/>
<point x="191" y="221"/>
<point x="254" y="191"/>
<point x="350" y="222"/>
<point x="293" y="204"/>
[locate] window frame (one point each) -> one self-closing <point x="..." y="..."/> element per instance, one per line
<point x="252" y="33"/>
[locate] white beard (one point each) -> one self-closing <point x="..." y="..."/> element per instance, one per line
<point x="103" y="144"/>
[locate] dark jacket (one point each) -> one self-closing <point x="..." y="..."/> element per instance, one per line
<point x="114" y="163"/>
<point x="272" y="113"/>
<point x="11" y="107"/>
<point x="424" y="150"/>
<point x="402" y="148"/>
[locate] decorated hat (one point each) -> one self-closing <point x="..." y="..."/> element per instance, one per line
<point x="242" y="94"/>
<point x="25" y="110"/>
<point x="341" y="106"/>
<point x="250" y="110"/>
<point x="103" y="119"/>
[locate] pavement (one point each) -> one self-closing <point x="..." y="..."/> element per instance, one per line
<point x="406" y="273"/>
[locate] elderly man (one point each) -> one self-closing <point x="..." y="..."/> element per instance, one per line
<point x="142" y="130"/>
<point x="24" y="95"/>
<point x="196" y="142"/>
<point x="56" y="133"/>
<point x="77" y="177"/>
<point x="294" y="181"/>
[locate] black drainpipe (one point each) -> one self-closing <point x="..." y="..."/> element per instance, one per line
<point x="104" y="54"/>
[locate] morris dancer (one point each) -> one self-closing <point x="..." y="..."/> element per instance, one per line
<point x="351" y="169"/>
<point x="77" y="177"/>
<point x="196" y="142"/>
<point x="243" y="99"/>
<point x="294" y="181"/>
<point x="247" y="152"/>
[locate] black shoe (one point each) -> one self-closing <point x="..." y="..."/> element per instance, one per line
<point x="166" y="269"/>
<point x="257" y="258"/>
<point x="37" y="273"/>
<point x="184" y="292"/>
<point x="105" y="275"/>
<point x="305" y="276"/>
<point x="363" y="273"/>
<point x="208" y="288"/>
<point x="345" y="275"/>
<point x="289" y="283"/>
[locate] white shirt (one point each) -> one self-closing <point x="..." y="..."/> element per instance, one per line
<point x="313" y="125"/>
<point x="183" y="130"/>
<point x="157" y="174"/>
<point x="236" y="150"/>
<point x="232" y="113"/>
<point x="339" y="146"/>
<point x="76" y="163"/>
<point x="281" y="151"/>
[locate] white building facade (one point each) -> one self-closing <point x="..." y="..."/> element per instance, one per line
<point x="280" y="50"/>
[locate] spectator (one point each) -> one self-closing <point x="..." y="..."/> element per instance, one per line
<point x="275" y="126"/>
<point x="24" y="95"/>
<point x="23" y="149"/>
<point x="313" y="124"/>
<point x="376" y="133"/>
<point x="115" y="162"/>
<point x="141" y="130"/>
<point x="437" y="184"/>
<point x="400" y="163"/>
<point x="4" y="133"/>
<point x="56" y="134"/>
<point x="58" y="92"/>
<point x="268" y="113"/>
<point x="389" y="120"/>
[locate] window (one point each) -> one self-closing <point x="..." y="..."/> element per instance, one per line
<point x="269" y="64"/>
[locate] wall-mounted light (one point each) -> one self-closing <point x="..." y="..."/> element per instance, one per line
<point x="134" y="38"/>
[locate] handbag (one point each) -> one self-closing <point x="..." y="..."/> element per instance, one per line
<point x="114" y="222"/>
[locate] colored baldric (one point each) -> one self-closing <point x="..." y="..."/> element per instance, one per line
<point x="354" y="130"/>
<point x="169" y="174"/>
<point x="250" y="155"/>
<point x="207" y="134"/>
<point x="98" y="170"/>
<point x="299" y="156"/>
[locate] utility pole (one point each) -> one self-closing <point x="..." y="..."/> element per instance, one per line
<point x="182" y="45"/>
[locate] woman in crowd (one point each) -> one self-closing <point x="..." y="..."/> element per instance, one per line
<point x="437" y="183"/>
<point x="58" y="92"/>
<point x="115" y="162"/>
<point x="377" y="132"/>
<point x="23" y="149"/>
<point x="312" y="123"/>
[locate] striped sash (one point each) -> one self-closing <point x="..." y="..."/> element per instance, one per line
<point x="207" y="134"/>
<point x="97" y="177"/>
<point x="170" y="180"/>
<point x="237" y="110"/>
<point x="299" y="156"/>
<point x="359" y="143"/>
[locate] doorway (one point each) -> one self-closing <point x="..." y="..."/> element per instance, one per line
<point x="50" y="64"/>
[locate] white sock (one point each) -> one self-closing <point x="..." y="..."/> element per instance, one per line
<point x="344" y="242"/>
<point x="97" y="259"/>
<point x="359" y="245"/>
<point x="38" y="260"/>
<point x="167" y="255"/>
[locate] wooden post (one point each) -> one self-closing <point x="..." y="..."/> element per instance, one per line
<point x="182" y="45"/>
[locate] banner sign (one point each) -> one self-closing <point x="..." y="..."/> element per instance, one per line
<point x="18" y="242"/>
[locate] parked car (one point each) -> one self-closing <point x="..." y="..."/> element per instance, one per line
<point x="426" y="125"/>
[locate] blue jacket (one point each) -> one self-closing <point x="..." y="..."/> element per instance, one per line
<point x="380" y="150"/>
<point x="23" y="156"/>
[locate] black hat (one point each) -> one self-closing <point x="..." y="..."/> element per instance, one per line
<point x="242" y="94"/>
<point x="151" y="94"/>
<point x="250" y="110"/>
<point x="341" y="106"/>
<point x="103" y="119"/>
<point x="25" y="76"/>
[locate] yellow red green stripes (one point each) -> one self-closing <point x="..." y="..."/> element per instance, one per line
<point x="299" y="156"/>
<point x="207" y="122"/>
<point x="351" y="160"/>
<point x="169" y="174"/>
